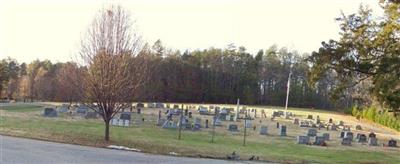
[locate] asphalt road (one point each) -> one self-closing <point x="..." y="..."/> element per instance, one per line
<point x="19" y="150"/>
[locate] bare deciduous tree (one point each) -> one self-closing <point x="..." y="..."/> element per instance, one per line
<point x="115" y="66"/>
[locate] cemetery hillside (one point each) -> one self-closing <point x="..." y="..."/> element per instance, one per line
<point x="339" y="103"/>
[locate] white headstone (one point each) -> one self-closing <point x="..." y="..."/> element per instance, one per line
<point x="114" y="122"/>
<point x="120" y="122"/>
<point x="126" y="123"/>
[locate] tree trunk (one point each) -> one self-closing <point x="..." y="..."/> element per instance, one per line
<point x="107" y="131"/>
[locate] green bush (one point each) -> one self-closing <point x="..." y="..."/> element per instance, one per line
<point x="384" y="118"/>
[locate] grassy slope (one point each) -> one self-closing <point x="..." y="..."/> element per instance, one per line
<point x="162" y="141"/>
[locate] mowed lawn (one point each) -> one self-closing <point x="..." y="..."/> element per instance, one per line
<point x="152" y="139"/>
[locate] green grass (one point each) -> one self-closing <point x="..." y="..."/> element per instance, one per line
<point x="162" y="141"/>
<point x="22" y="108"/>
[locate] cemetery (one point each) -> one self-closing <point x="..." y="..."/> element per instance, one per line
<point x="143" y="126"/>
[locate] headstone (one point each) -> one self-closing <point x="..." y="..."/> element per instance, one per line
<point x="197" y="124"/>
<point x="263" y="130"/>
<point x="303" y="140"/>
<point x="312" y="132"/>
<point x="314" y="125"/>
<point x="303" y="124"/>
<point x="206" y="123"/>
<point x="333" y="127"/>
<point x="319" y="140"/>
<point x="126" y="123"/>
<point x="159" y="105"/>
<point x="277" y="124"/>
<point x="358" y="127"/>
<point x="218" y="122"/>
<point x="190" y="114"/>
<point x="82" y="109"/>
<point x="50" y="112"/>
<point x="392" y="143"/>
<point x="186" y="112"/>
<point x="233" y="128"/>
<point x="114" y="122"/>
<point x="296" y="121"/>
<point x="139" y="105"/>
<point x="348" y="135"/>
<point x="125" y="116"/>
<point x="342" y="134"/>
<point x="151" y="105"/>
<point x="139" y="110"/>
<point x="330" y="121"/>
<point x="372" y="141"/>
<point x="346" y="141"/>
<point x="372" y="135"/>
<point x="283" y="130"/>
<point x="63" y="108"/>
<point x="326" y="136"/>
<point x="248" y="124"/>
<point x="120" y="122"/>
<point x="91" y="115"/>
<point x="202" y="110"/>
<point x="340" y="123"/>
<point x="176" y="106"/>
<point x="362" y="138"/>
<point x="310" y="117"/>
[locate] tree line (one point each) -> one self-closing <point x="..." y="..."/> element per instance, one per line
<point x="202" y="76"/>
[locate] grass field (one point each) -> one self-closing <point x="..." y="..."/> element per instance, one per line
<point x="29" y="123"/>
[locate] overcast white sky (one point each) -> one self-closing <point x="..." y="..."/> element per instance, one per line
<point x="52" y="30"/>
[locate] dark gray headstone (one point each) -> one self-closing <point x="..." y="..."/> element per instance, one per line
<point x="319" y="140"/>
<point x="263" y="130"/>
<point x="50" y="112"/>
<point x="392" y="143"/>
<point x="326" y="136"/>
<point x="346" y="141"/>
<point x="372" y="141"/>
<point x="151" y="105"/>
<point x="342" y="134"/>
<point x="139" y="105"/>
<point x="372" y="135"/>
<point x="312" y="132"/>
<point x="159" y="105"/>
<point x="348" y="135"/>
<point x="63" y="108"/>
<point x="233" y="128"/>
<point x="82" y="109"/>
<point x="358" y="127"/>
<point x="283" y="130"/>
<point x="310" y="117"/>
<point x="248" y="124"/>
<point x="303" y="139"/>
<point x="362" y="138"/>
<point x="125" y="116"/>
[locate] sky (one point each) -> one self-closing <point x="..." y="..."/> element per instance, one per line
<point x="49" y="29"/>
